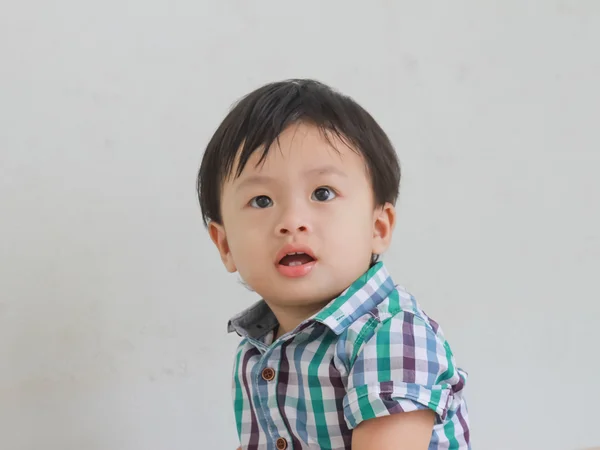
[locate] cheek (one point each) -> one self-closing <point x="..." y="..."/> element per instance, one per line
<point x="350" y="231"/>
<point x="354" y="215"/>
<point x="246" y="242"/>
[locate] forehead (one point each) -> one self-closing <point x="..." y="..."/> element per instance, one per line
<point x="304" y="146"/>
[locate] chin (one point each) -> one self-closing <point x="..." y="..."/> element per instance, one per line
<point x="301" y="294"/>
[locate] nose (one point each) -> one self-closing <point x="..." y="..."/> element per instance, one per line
<point x="292" y="221"/>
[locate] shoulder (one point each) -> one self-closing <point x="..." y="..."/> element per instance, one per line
<point x="245" y="354"/>
<point x="400" y="317"/>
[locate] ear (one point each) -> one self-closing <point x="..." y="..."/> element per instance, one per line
<point x="219" y="237"/>
<point x="384" y="221"/>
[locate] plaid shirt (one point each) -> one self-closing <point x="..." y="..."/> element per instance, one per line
<point x="369" y="353"/>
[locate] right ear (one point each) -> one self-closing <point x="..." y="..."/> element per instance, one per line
<point x="219" y="237"/>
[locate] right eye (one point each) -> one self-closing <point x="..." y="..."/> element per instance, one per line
<point x="261" y="202"/>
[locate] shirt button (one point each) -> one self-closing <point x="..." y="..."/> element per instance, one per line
<point x="268" y="374"/>
<point x="281" y="444"/>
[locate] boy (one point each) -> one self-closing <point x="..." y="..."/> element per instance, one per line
<point x="297" y="188"/>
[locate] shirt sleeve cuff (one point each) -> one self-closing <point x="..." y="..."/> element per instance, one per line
<point x="368" y="402"/>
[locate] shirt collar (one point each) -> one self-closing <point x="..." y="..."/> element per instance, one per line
<point x="362" y="296"/>
<point x="359" y="298"/>
<point x="254" y="322"/>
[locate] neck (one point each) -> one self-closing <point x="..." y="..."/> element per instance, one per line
<point x="290" y="317"/>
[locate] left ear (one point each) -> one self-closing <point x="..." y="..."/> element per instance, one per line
<point x="384" y="220"/>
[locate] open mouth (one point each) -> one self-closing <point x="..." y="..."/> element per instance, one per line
<point x="295" y="259"/>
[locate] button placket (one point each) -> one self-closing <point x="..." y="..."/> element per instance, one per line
<point x="268" y="375"/>
<point x="265" y="377"/>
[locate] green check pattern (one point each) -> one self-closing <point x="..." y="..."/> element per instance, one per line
<point x="369" y="353"/>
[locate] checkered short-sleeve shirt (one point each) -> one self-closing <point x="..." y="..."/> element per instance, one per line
<point x="370" y="352"/>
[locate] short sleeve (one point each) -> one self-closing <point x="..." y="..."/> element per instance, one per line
<point x="402" y="366"/>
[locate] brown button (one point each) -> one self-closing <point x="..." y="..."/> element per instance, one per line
<point x="281" y="444"/>
<point x="268" y="374"/>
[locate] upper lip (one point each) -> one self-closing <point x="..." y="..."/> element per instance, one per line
<point x="294" y="248"/>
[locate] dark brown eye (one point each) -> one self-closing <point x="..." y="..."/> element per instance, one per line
<point x="261" y="201"/>
<point x="323" y="194"/>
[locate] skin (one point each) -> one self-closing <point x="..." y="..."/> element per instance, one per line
<point x="308" y="193"/>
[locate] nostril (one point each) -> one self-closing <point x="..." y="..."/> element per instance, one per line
<point x="301" y="229"/>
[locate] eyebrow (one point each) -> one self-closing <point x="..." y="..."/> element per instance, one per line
<point x="265" y="179"/>
<point x="326" y="170"/>
<point x="254" y="180"/>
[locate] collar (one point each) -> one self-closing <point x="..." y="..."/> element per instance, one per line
<point x="254" y="322"/>
<point x="359" y="298"/>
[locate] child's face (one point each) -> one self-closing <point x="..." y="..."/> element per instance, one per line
<point x="306" y="197"/>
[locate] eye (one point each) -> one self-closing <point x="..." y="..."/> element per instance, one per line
<point x="323" y="194"/>
<point x="261" y="201"/>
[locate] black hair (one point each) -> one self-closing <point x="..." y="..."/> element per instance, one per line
<point x="258" y="119"/>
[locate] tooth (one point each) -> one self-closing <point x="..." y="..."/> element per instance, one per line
<point x="295" y="263"/>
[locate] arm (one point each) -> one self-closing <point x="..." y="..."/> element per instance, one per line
<point x="406" y="431"/>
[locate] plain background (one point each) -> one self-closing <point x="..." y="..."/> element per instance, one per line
<point x="113" y="302"/>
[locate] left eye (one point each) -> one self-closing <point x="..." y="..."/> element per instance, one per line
<point x="323" y="194"/>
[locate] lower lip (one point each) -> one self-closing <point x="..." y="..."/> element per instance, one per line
<point x="296" y="271"/>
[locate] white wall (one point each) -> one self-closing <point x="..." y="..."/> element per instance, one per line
<point x="113" y="303"/>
